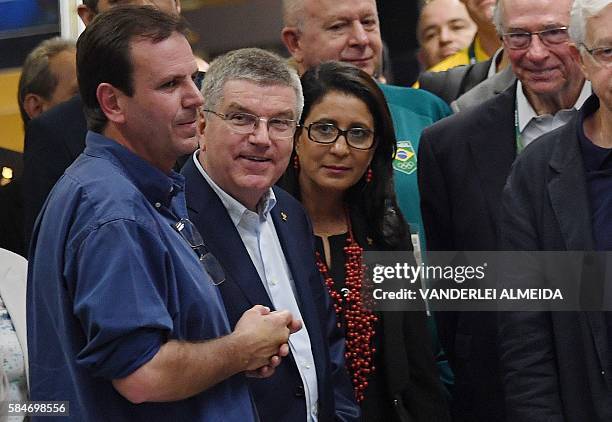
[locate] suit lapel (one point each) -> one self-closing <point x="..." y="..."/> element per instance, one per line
<point x="567" y="188"/>
<point x="294" y="250"/>
<point x="221" y="237"/>
<point x="494" y="154"/>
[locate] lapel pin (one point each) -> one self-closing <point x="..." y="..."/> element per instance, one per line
<point x="369" y="240"/>
<point x="283" y="216"/>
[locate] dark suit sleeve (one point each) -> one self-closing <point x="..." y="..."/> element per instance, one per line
<point x="436" y="213"/>
<point x="43" y="165"/>
<point x="526" y="344"/>
<point x="435" y="208"/>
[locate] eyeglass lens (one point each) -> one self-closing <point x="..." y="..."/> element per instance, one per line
<point x="327" y="133"/>
<point x="521" y="40"/>
<point x="247" y="123"/>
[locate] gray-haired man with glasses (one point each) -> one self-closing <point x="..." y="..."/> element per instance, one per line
<point x="464" y="163"/>
<point x="260" y="234"/>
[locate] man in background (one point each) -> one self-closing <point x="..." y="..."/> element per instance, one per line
<point x="444" y="28"/>
<point x="485" y="42"/>
<point x="48" y="77"/>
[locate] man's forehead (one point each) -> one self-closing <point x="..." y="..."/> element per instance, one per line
<point x="543" y="13"/>
<point x="598" y="28"/>
<point x="104" y="5"/>
<point x="168" y="58"/>
<point x="242" y="94"/>
<point x="329" y="9"/>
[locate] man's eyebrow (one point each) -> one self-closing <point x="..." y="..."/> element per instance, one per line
<point x="429" y="28"/>
<point x="238" y="107"/>
<point x="551" y="25"/>
<point x="284" y="114"/>
<point x="458" y="20"/>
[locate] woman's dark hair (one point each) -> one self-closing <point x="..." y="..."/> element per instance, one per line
<point x="103" y="51"/>
<point x="375" y="200"/>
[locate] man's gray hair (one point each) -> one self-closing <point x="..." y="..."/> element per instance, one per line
<point x="582" y="10"/>
<point x="497" y="17"/>
<point x="254" y="65"/>
<point x="36" y="77"/>
<point x="293" y="10"/>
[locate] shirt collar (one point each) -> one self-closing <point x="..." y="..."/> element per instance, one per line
<point x="526" y="111"/>
<point x="155" y="185"/>
<point x="235" y="209"/>
<point x="494" y="62"/>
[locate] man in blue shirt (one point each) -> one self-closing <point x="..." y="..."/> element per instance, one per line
<point x="125" y="320"/>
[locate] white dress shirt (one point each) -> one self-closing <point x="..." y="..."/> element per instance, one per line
<point x="532" y="126"/>
<point x="257" y="231"/>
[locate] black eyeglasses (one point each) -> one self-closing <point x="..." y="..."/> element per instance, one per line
<point x="192" y="236"/>
<point x="520" y="40"/>
<point x="328" y="133"/>
<point x="602" y="55"/>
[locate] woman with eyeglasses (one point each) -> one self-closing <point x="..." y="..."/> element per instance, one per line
<point x="342" y="172"/>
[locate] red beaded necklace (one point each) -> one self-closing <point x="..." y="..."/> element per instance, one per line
<point x="359" y="321"/>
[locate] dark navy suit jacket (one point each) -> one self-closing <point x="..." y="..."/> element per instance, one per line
<point x="53" y="141"/>
<point x="280" y="397"/>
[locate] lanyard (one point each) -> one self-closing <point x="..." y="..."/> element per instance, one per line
<point x="517" y="132"/>
<point x="472" y="52"/>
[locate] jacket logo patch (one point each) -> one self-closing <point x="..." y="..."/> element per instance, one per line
<point x="405" y="159"/>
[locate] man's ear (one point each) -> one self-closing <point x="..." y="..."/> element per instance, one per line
<point x="33" y="104"/>
<point x="578" y="57"/>
<point x="178" y="6"/>
<point x="421" y="58"/>
<point x="86" y="14"/>
<point x="291" y="38"/>
<point x="200" y="126"/>
<point x="111" y="104"/>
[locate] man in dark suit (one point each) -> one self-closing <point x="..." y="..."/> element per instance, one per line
<point x="260" y="234"/>
<point x="464" y="162"/>
<point x="556" y="365"/>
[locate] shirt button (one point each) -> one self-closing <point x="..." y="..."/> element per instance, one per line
<point x="273" y="282"/>
<point x="157" y="205"/>
<point x="307" y="366"/>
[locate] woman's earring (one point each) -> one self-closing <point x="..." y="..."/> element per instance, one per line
<point x="369" y="175"/>
<point x="296" y="162"/>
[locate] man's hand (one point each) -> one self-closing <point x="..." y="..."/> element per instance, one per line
<point x="263" y="336"/>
